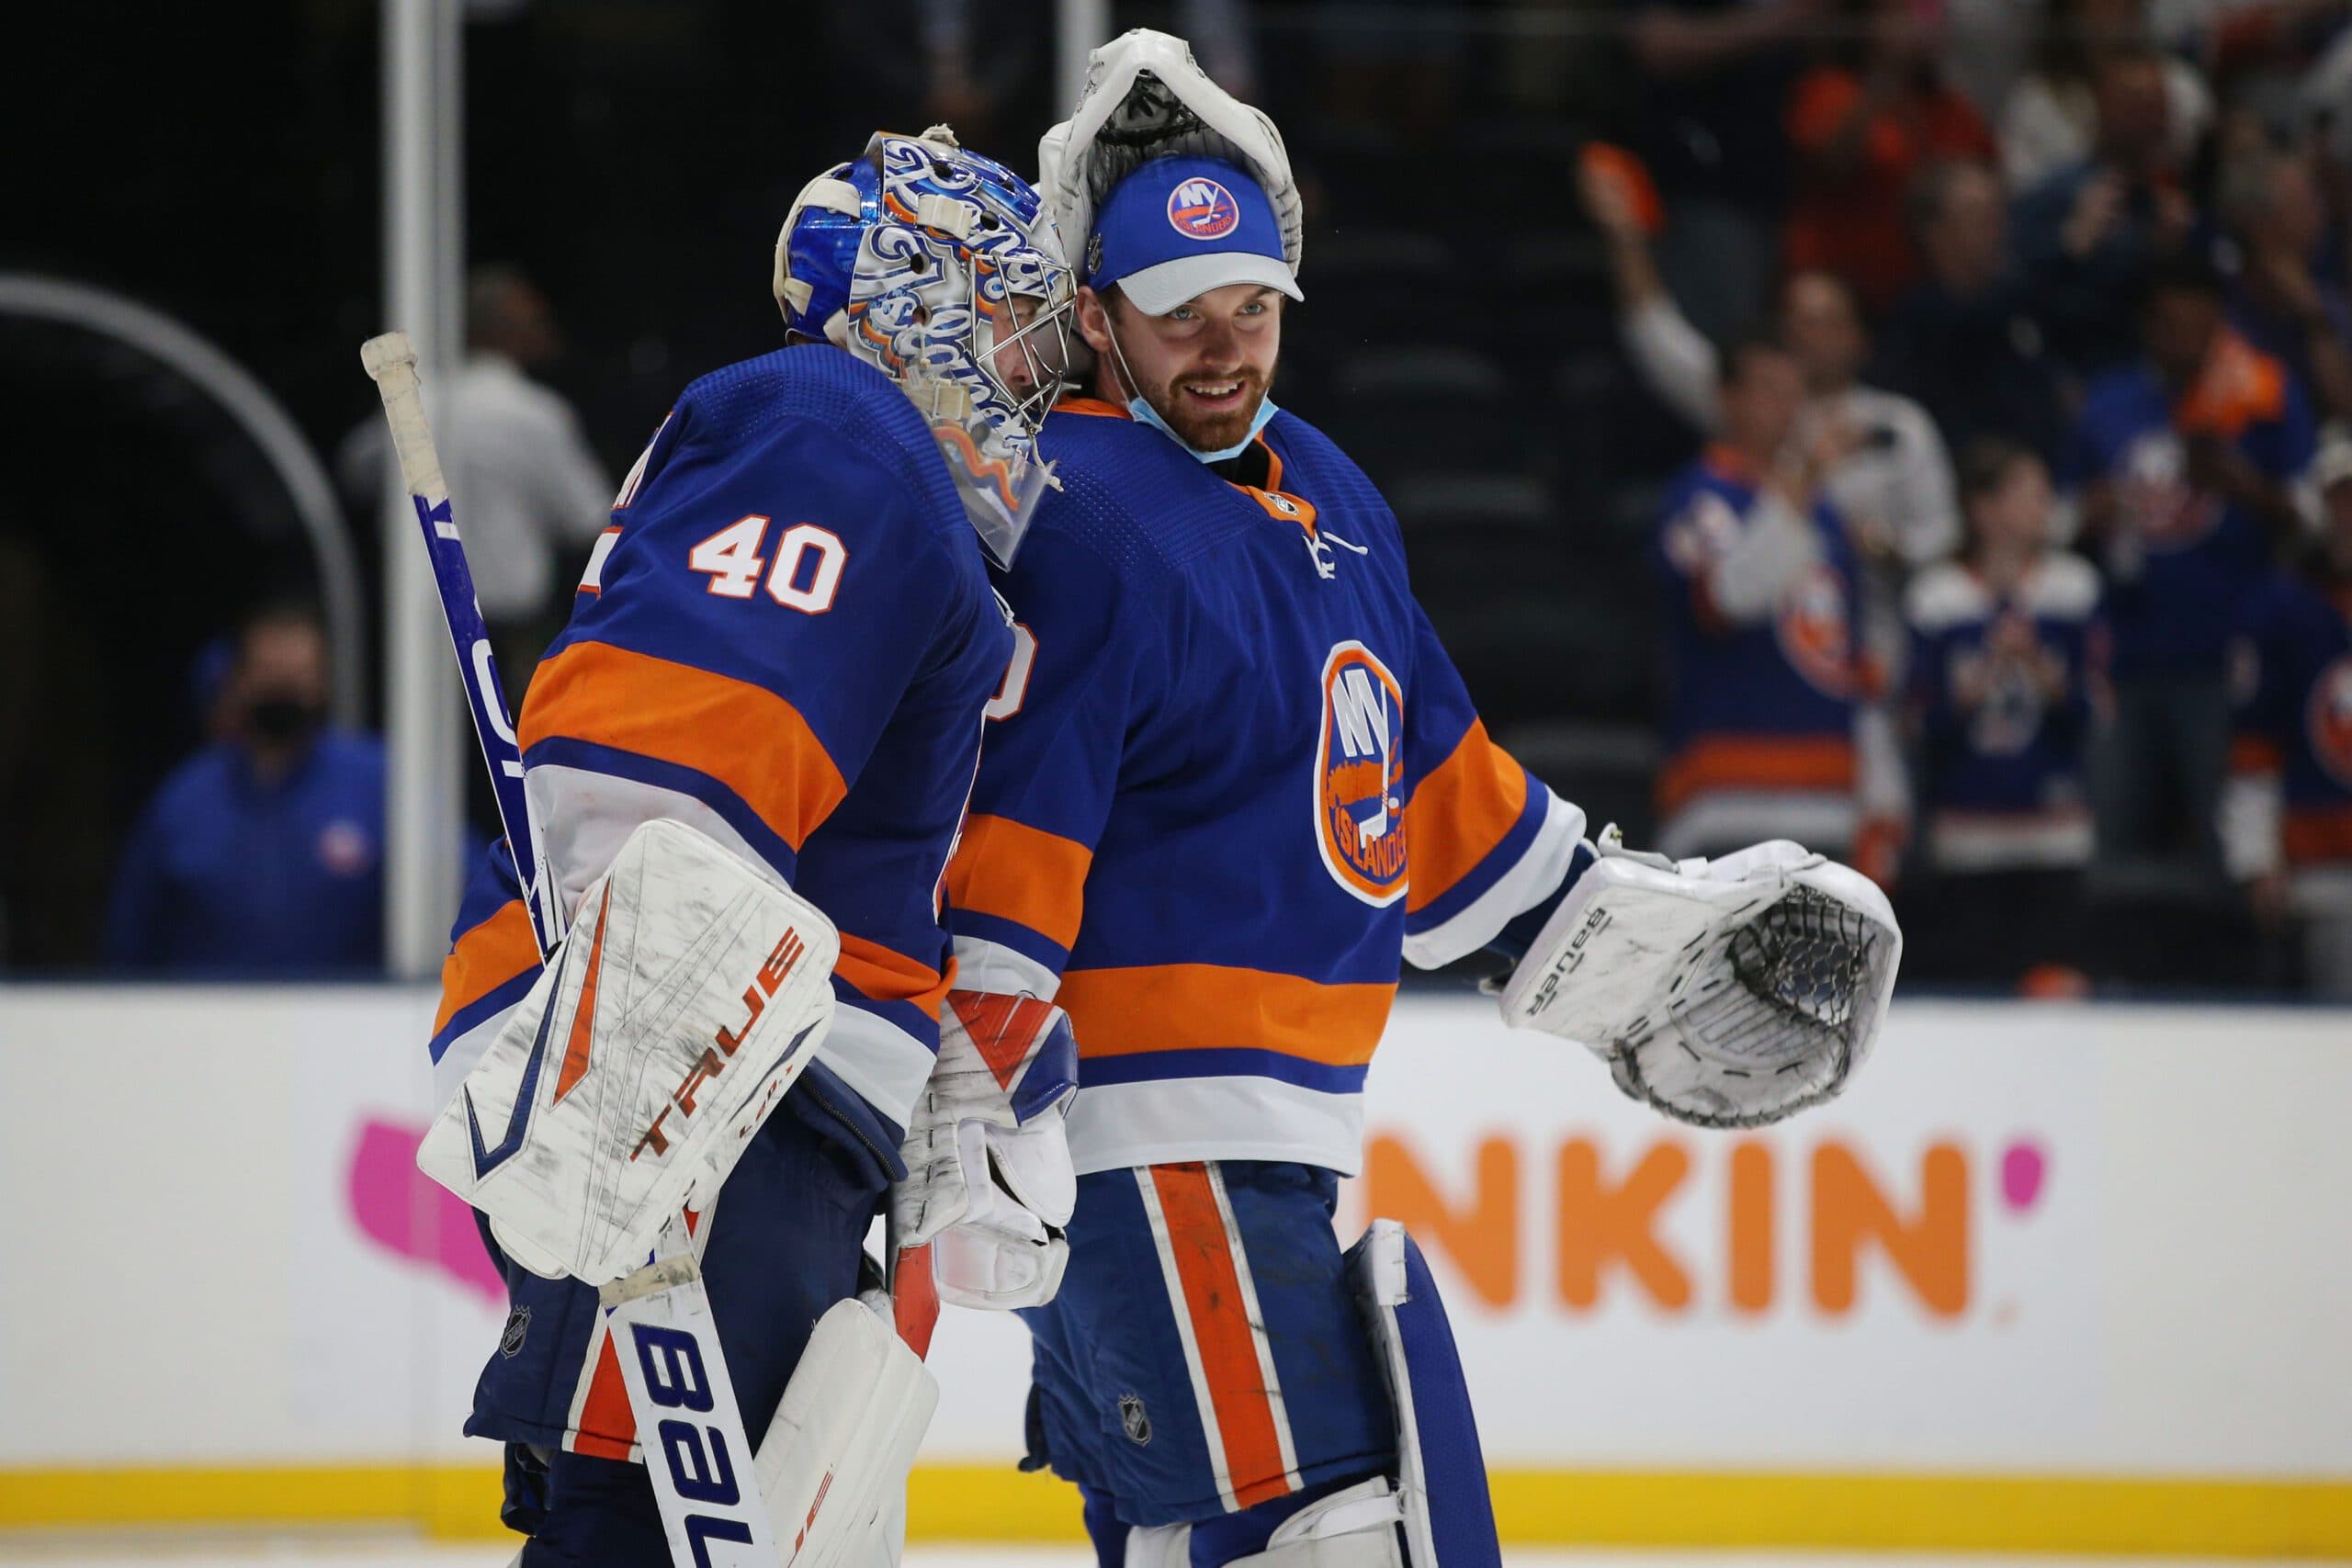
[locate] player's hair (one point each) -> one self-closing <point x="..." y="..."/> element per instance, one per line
<point x="281" y="610"/>
<point x="2189" y="272"/>
<point x="1742" y="347"/>
<point x="1987" y="463"/>
<point x="1924" y="198"/>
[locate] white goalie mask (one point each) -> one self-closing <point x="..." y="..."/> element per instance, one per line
<point x="944" y="269"/>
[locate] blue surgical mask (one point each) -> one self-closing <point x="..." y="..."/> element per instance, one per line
<point x="1145" y="414"/>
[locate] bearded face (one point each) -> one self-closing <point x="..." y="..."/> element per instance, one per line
<point x="1204" y="366"/>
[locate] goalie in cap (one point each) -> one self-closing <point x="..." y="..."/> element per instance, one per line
<point x="1231" y="782"/>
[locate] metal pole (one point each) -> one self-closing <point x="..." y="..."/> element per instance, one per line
<point x="1080" y="26"/>
<point x="424" y="811"/>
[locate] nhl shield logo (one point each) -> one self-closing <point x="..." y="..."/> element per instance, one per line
<point x="510" y="1339"/>
<point x="1360" y="775"/>
<point x="1133" y="1419"/>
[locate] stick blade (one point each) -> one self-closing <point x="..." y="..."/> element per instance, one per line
<point x="380" y="355"/>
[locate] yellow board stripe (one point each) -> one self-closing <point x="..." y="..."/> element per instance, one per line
<point x="995" y="1503"/>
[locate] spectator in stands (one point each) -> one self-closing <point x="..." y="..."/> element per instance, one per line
<point x="1861" y="127"/>
<point x="2186" y="464"/>
<point x="2000" y="711"/>
<point x="2288" y="825"/>
<point x="1888" y="471"/>
<point x="263" y="854"/>
<point x="1964" y="342"/>
<point x="2270" y="202"/>
<point x="1717" y="76"/>
<point x="1759" y="591"/>
<point x="2090" y="234"/>
<point x="2051" y="121"/>
<point x="528" y="489"/>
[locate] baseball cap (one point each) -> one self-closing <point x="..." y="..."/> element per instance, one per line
<point x="1179" y="227"/>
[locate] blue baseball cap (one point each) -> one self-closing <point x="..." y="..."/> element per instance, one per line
<point x="1179" y="227"/>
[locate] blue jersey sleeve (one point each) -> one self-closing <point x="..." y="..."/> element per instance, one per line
<point x="1486" y="839"/>
<point x="1049" y="762"/>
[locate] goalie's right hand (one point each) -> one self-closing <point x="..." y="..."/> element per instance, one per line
<point x="988" y="1180"/>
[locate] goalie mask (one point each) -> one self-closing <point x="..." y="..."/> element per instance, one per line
<point x="944" y="269"/>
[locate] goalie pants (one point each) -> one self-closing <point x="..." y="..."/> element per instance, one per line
<point x="1204" y="1356"/>
<point x="786" y="1239"/>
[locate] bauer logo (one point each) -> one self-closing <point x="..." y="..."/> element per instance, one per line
<point x="1202" y="209"/>
<point x="2330" y="720"/>
<point x="1360" y="775"/>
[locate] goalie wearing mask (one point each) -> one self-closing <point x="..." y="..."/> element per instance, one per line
<point x="773" y="676"/>
<point x="1231" y="783"/>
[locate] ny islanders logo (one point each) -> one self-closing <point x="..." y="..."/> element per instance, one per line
<point x="1813" y="631"/>
<point x="1360" y="775"/>
<point x="1202" y="209"/>
<point x="2329" y="720"/>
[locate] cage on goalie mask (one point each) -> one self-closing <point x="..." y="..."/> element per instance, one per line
<point x="944" y="269"/>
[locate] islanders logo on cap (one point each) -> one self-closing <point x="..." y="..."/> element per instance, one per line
<point x="2329" y="720"/>
<point x="1360" y="775"/>
<point x="1200" y="209"/>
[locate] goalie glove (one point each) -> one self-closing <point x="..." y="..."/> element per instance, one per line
<point x="989" y="1179"/>
<point x="1725" y="993"/>
<point x="1145" y="98"/>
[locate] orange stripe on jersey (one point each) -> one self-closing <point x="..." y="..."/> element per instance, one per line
<point x="1220" y="1313"/>
<point x="485" y="958"/>
<point x="1784" y="762"/>
<point x="2316" y="833"/>
<point x="1021" y="873"/>
<point x="747" y="737"/>
<point x="882" y="974"/>
<point x="607" y="1426"/>
<point x="1174" y="1007"/>
<point x="1466" y="806"/>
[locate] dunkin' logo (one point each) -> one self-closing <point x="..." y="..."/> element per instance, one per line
<point x="1786" y="1221"/>
<point x="1202" y="209"/>
<point x="1360" y="775"/>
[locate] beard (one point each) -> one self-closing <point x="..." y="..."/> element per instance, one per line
<point x="1209" y="429"/>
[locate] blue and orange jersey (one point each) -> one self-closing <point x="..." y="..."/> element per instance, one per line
<point x="2294" y="721"/>
<point x="2186" y="558"/>
<point x="1232" y="781"/>
<point x="2000" y="704"/>
<point x="1760" y="719"/>
<point x="784" y="639"/>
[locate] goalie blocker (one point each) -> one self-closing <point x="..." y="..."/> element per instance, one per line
<point x="1725" y="993"/>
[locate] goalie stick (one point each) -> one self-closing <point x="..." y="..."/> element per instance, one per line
<point x="688" y="1425"/>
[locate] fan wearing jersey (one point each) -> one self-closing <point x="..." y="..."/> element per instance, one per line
<point x="784" y="642"/>
<point x="1231" y="783"/>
